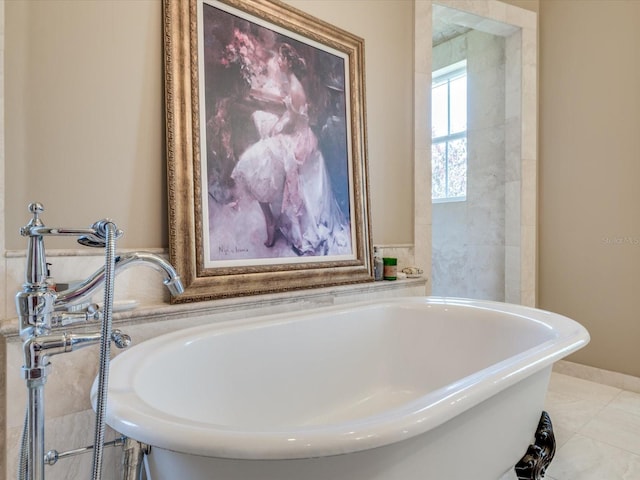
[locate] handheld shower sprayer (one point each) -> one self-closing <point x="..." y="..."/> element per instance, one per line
<point x="98" y="238"/>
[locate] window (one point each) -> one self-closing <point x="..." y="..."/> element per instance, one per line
<point x="449" y="133"/>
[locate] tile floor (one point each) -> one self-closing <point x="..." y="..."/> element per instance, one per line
<point x="597" y="429"/>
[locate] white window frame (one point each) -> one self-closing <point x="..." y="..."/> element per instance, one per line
<point x="439" y="77"/>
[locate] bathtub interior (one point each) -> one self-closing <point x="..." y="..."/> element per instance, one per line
<point x="321" y="369"/>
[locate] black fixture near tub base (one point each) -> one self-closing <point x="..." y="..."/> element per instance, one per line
<point x="540" y="453"/>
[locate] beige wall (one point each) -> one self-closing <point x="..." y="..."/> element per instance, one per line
<point x="589" y="195"/>
<point x="85" y="125"/>
<point x="84" y="116"/>
<point x="533" y="5"/>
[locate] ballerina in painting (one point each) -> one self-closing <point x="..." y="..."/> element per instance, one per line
<point x="285" y="171"/>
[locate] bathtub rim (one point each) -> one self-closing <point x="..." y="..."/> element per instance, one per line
<point x="136" y="419"/>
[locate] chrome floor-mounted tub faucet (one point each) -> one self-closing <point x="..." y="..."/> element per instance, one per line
<point x="44" y="316"/>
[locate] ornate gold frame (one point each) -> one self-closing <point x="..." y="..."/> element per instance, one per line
<point x="185" y="207"/>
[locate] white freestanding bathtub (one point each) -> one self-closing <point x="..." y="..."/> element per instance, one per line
<point x="403" y="389"/>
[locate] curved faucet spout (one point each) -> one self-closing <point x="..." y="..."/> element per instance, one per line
<point x="90" y="285"/>
<point x="172" y="280"/>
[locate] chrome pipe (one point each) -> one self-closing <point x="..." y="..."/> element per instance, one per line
<point x="39" y="231"/>
<point x="53" y="456"/>
<point x="35" y="440"/>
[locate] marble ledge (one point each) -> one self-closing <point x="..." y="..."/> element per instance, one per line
<point x="82" y="252"/>
<point x="276" y="302"/>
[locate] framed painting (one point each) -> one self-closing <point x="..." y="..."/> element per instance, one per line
<point x="266" y="149"/>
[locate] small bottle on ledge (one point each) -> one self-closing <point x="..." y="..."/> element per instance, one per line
<point x="390" y="268"/>
<point x="378" y="267"/>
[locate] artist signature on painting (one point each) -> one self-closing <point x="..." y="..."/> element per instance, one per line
<point x="621" y="240"/>
<point x="231" y="250"/>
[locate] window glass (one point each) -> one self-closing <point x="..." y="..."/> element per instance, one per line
<point x="439" y="170"/>
<point x="440" y="110"/>
<point x="458" y="100"/>
<point x="457" y="168"/>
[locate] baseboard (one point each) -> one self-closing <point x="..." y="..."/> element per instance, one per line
<point x="598" y="375"/>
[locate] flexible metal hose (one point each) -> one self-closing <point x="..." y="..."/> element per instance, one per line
<point x="105" y="350"/>
<point x="23" y="462"/>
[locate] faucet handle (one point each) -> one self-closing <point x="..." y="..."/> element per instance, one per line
<point x="121" y="339"/>
<point x="36" y="209"/>
<point x="87" y="314"/>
